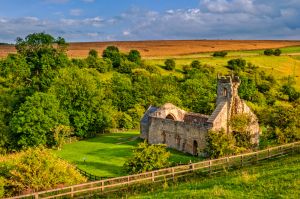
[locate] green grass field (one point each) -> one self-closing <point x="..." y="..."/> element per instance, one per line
<point x="281" y="66"/>
<point x="279" y="178"/>
<point x="105" y="155"/>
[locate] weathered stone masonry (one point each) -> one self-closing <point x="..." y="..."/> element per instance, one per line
<point x="186" y="131"/>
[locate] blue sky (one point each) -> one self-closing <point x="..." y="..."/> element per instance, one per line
<point x="107" y="20"/>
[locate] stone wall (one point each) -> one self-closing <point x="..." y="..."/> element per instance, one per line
<point x="177" y="134"/>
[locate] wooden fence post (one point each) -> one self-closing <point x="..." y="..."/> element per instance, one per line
<point x="72" y="190"/>
<point x="173" y="175"/>
<point x="268" y="153"/>
<point x="153" y="178"/>
<point x="227" y="161"/>
<point x="242" y="157"/>
<point x="102" y="186"/>
<point x="210" y="166"/>
<point x="36" y="196"/>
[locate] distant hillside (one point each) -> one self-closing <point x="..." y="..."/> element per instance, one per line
<point x="169" y="47"/>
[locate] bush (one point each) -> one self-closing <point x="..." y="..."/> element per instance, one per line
<point x="268" y="52"/>
<point x="36" y="170"/>
<point x="277" y="52"/>
<point x="112" y="53"/>
<point x="219" y="144"/>
<point x="134" y="56"/>
<point x="93" y="53"/>
<point x="220" y="54"/>
<point x="170" y="64"/>
<point x="147" y="158"/>
<point x="237" y="64"/>
<point x="196" y="64"/>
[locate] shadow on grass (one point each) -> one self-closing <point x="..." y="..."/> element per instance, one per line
<point x="114" y="170"/>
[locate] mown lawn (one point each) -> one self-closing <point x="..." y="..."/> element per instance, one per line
<point x="279" y="178"/>
<point x="105" y="155"/>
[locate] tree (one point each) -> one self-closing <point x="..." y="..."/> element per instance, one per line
<point x="32" y="123"/>
<point x="277" y="52"/>
<point x="134" y="56"/>
<point x="237" y="64"/>
<point x="81" y="95"/>
<point x="112" y="53"/>
<point x="196" y="64"/>
<point x="93" y="53"/>
<point x="45" y="55"/>
<point x="170" y="64"/>
<point x="268" y="52"/>
<point x="219" y="143"/>
<point x="220" y="54"/>
<point x="147" y="157"/>
<point x="239" y="124"/>
<point x="247" y="89"/>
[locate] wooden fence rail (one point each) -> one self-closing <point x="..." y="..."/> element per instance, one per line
<point x="209" y="166"/>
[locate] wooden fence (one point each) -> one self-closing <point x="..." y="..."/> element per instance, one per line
<point x="89" y="176"/>
<point x="209" y="166"/>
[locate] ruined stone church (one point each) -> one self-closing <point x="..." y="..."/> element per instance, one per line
<point x="186" y="131"/>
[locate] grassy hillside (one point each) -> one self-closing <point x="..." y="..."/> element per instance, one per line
<point x="105" y="155"/>
<point x="280" y="66"/>
<point x="279" y="178"/>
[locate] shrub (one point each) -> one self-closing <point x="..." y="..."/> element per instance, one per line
<point x="147" y="158"/>
<point x="112" y="53"/>
<point x="93" y="53"/>
<point x="170" y="64"/>
<point x="277" y="52"/>
<point x="36" y="170"/>
<point x="196" y="64"/>
<point x="219" y="144"/>
<point x="134" y="56"/>
<point x="220" y="54"/>
<point x="268" y="52"/>
<point x="239" y="124"/>
<point x="237" y="64"/>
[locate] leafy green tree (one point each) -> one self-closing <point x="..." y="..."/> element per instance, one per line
<point x="237" y="64"/>
<point x="239" y="124"/>
<point x="126" y="66"/>
<point x="220" y="54"/>
<point x="134" y="56"/>
<point x="112" y="53"/>
<point x="268" y="52"/>
<point x="32" y="123"/>
<point x="93" y="53"/>
<point x="198" y="93"/>
<point x="170" y="64"/>
<point x="277" y="52"/>
<point x="121" y="93"/>
<point x="247" y="89"/>
<point x="196" y="64"/>
<point x="45" y="55"/>
<point x="219" y="143"/>
<point x="147" y="158"/>
<point x="81" y="95"/>
<point x="292" y="93"/>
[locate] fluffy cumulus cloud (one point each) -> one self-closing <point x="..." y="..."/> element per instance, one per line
<point x="211" y="19"/>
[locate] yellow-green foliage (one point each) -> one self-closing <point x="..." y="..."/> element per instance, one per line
<point x="36" y="169"/>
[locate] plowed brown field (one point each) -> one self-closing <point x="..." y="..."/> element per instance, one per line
<point x="165" y="48"/>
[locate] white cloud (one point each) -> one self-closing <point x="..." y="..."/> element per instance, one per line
<point x="126" y="33"/>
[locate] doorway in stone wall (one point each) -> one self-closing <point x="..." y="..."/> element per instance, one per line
<point x="195" y="148"/>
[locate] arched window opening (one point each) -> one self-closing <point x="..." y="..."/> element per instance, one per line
<point x="225" y="92"/>
<point x="195" y="148"/>
<point x="170" y="117"/>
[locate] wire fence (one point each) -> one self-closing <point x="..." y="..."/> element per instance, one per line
<point x="209" y="166"/>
